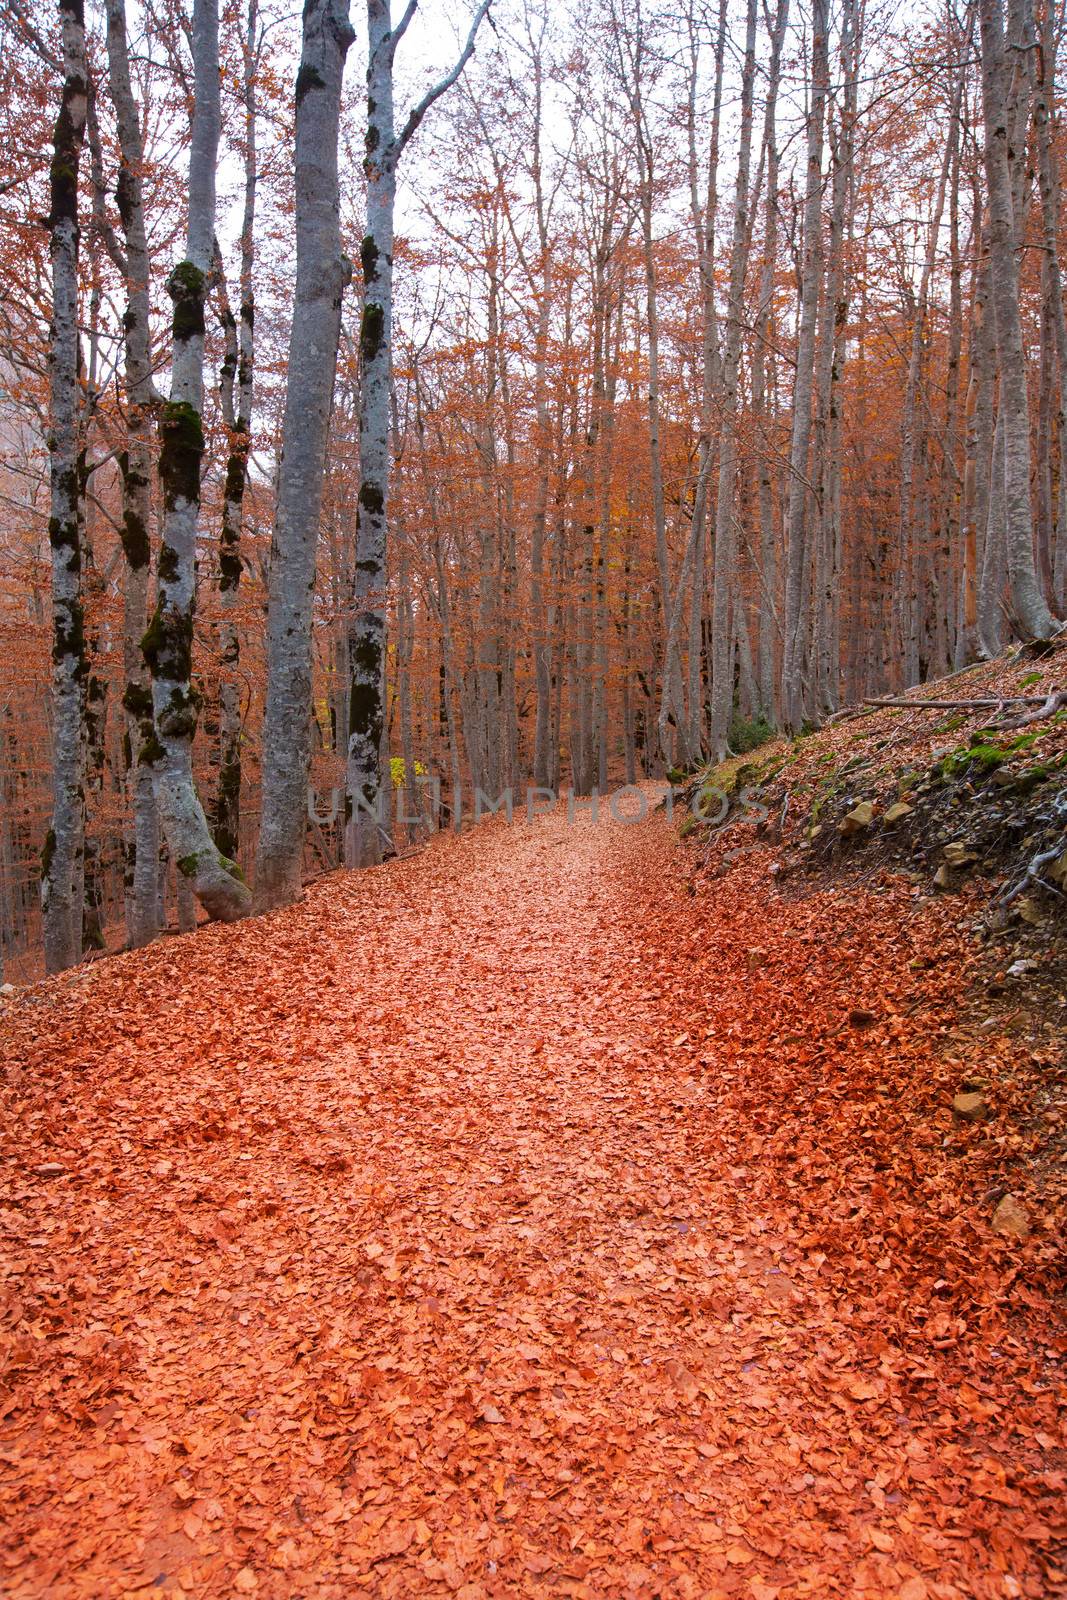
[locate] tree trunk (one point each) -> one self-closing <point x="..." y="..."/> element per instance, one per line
<point x="237" y="386"/>
<point x="794" y="665"/>
<point x="142" y="865"/>
<point x="321" y="275"/>
<point x="723" y="582"/>
<point x="168" y="642"/>
<point x="762" y="381"/>
<point x="1031" y="613"/>
<point x="61" y="906"/>
<point x="364" y="833"/>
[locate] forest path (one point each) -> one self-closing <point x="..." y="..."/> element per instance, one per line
<point x="502" y="1222"/>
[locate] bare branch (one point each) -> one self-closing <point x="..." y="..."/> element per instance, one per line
<point x="446" y="82"/>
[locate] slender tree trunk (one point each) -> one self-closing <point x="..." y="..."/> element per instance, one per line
<point x="61" y="905"/>
<point x="168" y="642"/>
<point x="911" y="597"/>
<point x="794" y="665"/>
<point x="1049" y="180"/>
<point x="762" y="381"/>
<point x="237" y="386"/>
<point x="723" y="582"/>
<point x="1031" y="613"/>
<point x="991" y="584"/>
<point x="321" y="275"/>
<point x="363" y="841"/>
<point x="384" y="147"/>
<point x="705" y="222"/>
<point x="142" y="868"/>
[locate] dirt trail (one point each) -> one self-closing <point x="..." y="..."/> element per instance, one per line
<point x="504" y="1222"/>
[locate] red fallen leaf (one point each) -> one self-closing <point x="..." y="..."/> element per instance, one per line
<point x="633" y="1210"/>
<point x="245" y="1581"/>
<point x="862" y="1389"/>
<point x="489" y="1413"/>
<point x="538" y="1564"/>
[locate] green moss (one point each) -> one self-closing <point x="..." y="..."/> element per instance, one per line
<point x="182" y="433"/>
<point x="308" y="77"/>
<point x="68" y="636"/>
<point x="371" y="498"/>
<point x="984" y="757"/>
<point x="371" y="332"/>
<point x="167" y="643"/>
<point x="179" y="716"/>
<point x="135" y="542"/>
<point x="187" y="865"/>
<point x="232" y="868"/>
<point x="186" y="287"/>
<point x="168" y="564"/>
<point x="369" y="256"/>
<point x="63" y="531"/>
<point x="137" y="700"/>
<point x="365" y="699"/>
<point x="151" y="751"/>
<point x="748" y="733"/>
<point x="228" y="802"/>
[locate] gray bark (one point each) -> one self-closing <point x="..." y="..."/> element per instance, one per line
<point x="1031" y="613"/>
<point x="1049" y="180"/>
<point x="168" y="642"/>
<point x="60" y="867"/>
<point x="762" y="374"/>
<point x="794" y="664"/>
<point x="237" y="394"/>
<point x="384" y="146"/>
<point x="322" y="273"/>
<point x="142" y="856"/>
<point x="722" y="676"/>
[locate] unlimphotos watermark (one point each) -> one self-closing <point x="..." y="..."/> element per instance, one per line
<point x="706" y="803"/>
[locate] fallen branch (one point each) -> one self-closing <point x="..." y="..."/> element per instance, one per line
<point x="1056" y="701"/>
<point x="1033" y="875"/>
<point x="965" y="705"/>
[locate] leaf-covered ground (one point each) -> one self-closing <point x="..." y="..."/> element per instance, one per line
<point x="509" y="1221"/>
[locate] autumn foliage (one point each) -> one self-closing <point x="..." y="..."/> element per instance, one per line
<point x="577" y="1236"/>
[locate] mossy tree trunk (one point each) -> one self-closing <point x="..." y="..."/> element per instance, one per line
<point x="61" y="905"/>
<point x="142" y="849"/>
<point x="366" y="644"/>
<point x="322" y="273"/>
<point x="238" y="370"/>
<point x="168" y="641"/>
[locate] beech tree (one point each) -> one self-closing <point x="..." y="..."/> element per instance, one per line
<point x="216" y="880"/>
<point x="142" y="850"/>
<point x="384" y="147"/>
<point x="1030" y="605"/>
<point x="61" y="903"/>
<point x="675" y="430"/>
<point x="321" y="275"/>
